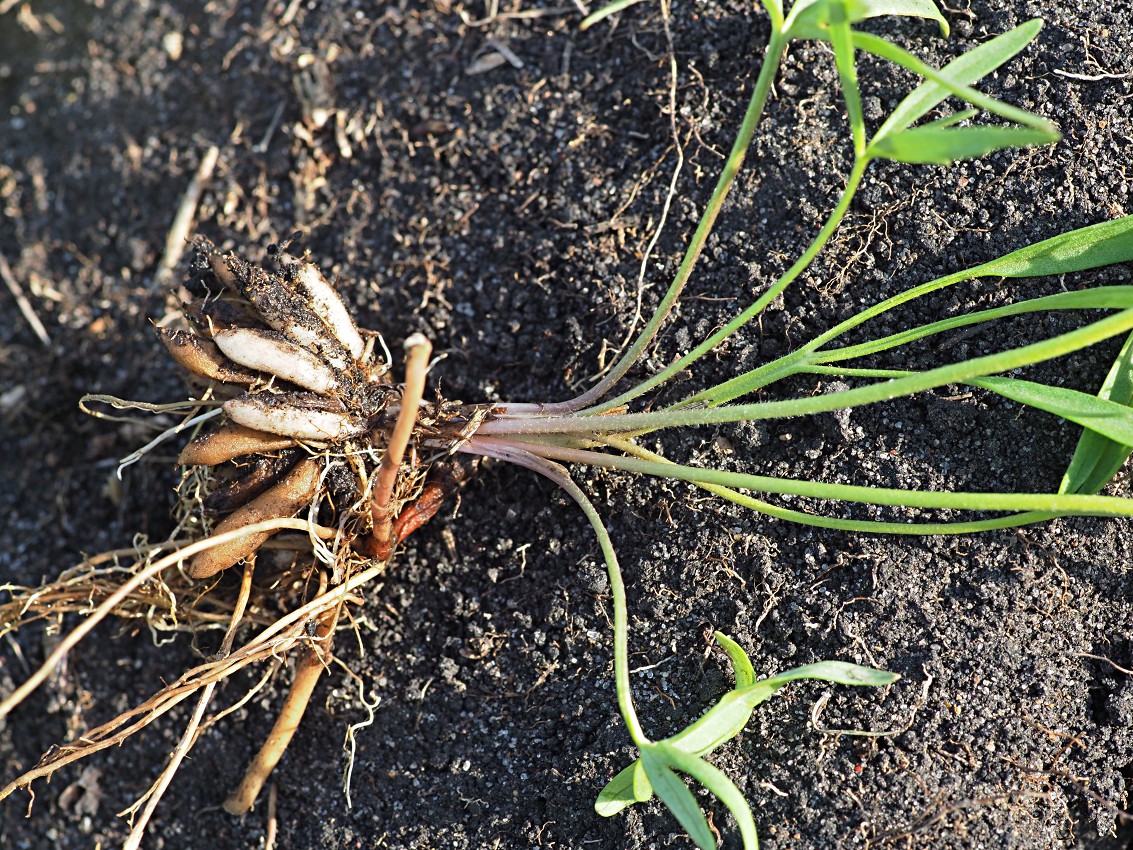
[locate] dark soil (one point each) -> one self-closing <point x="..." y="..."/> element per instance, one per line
<point x="492" y="181"/>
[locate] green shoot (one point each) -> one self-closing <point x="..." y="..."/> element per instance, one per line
<point x="685" y="751"/>
<point x="598" y="428"/>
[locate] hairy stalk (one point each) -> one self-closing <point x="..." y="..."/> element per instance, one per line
<point x="882" y="391"/>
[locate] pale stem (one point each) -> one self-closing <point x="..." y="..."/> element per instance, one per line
<point x="417" y="351"/>
<point x="559" y="475"/>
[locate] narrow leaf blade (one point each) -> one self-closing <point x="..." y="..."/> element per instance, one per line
<point x="899" y="56"/>
<point x="1086" y="248"/>
<point x="716" y="781"/>
<point x="810" y="18"/>
<point x="966" y="69"/>
<point x="944" y="145"/>
<point x="838" y="672"/>
<point x="901" y="8"/>
<point x="953" y="119"/>
<point x="840" y="38"/>
<point x="728" y="717"/>
<point x="605" y="12"/>
<point x="673" y="792"/>
<point x="1097" y="458"/>
<point x="775" y="11"/>
<point x="724" y="720"/>
<point x="1108" y="418"/>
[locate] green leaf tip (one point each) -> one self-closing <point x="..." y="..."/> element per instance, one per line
<point x="605" y="12"/>
<point x="811" y="18"/>
<point x="741" y="664"/>
<point x="965" y="69"/>
<point x="1097" y="458"/>
<point x="630" y="786"/>
<point x="837" y="672"/>
<point x="944" y="145"/>
<point x="1086" y="248"/>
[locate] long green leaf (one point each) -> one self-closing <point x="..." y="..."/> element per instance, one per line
<point x="899" y="56"/>
<point x="869" y="526"/>
<point x="874" y="526"/>
<point x="946" y="145"/>
<point x="838" y="672"/>
<point x="1086" y="248"/>
<point x="1098" y="458"/>
<point x="974" y="65"/>
<point x="988" y="364"/>
<point x="716" y="781"/>
<point x="673" y="792"/>
<point x="724" y="720"/>
<point x="953" y="119"/>
<point x="1060" y="504"/>
<point x="775" y="11"/>
<point x="842" y="41"/>
<point x="1108" y="418"/>
<point x="728" y="717"/>
<point x="1098" y="298"/>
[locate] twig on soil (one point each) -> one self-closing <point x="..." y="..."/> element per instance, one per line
<point x="1109" y="661"/>
<point x="182" y="224"/>
<point x="23" y="303"/>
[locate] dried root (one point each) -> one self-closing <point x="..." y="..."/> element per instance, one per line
<point x="313" y="438"/>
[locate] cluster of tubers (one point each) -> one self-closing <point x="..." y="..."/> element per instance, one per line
<point x="309" y="408"/>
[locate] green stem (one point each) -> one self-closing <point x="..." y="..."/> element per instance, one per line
<point x="751" y="312"/>
<point x="955" y="373"/>
<point x="532" y="458"/>
<point x="858" y="525"/>
<point x="772" y="57"/>
<point x="1055" y="504"/>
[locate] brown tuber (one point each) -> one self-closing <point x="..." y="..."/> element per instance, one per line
<point x="283" y="500"/>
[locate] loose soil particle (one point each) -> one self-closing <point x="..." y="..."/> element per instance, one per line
<point x="493" y="182"/>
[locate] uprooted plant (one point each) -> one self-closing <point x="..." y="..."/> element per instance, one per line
<point x="299" y="428"/>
